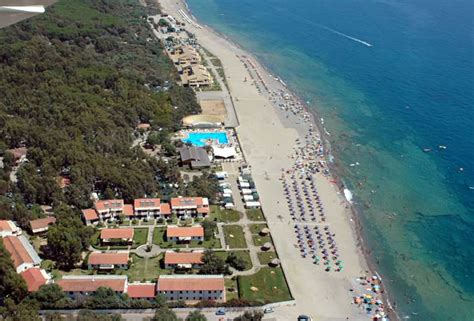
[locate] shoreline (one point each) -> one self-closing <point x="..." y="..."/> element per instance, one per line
<point x="356" y="226"/>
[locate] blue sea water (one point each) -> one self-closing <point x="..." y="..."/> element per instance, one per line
<point x="390" y="78"/>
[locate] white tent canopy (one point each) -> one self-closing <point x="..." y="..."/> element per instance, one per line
<point x="224" y="152"/>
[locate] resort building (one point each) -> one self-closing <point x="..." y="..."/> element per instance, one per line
<point x="194" y="157"/>
<point x="35" y="278"/>
<point x="192" y="287"/>
<point x="117" y="235"/>
<point x="19" y="154"/>
<point x="195" y="76"/>
<point x="90" y="216"/>
<point x="82" y="285"/>
<point x="41" y="225"/>
<point x="183" y="260"/>
<point x="147" y="207"/>
<point x="108" y="208"/>
<point x="185" y="55"/>
<point x="108" y="261"/>
<point x="8" y="228"/>
<point x="144" y="291"/>
<point x="190" y="206"/>
<point x="184" y="234"/>
<point x="21" y="252"/>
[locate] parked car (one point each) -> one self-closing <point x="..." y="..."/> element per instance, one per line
<point x="220" y="312"/>
<point x="268" y="310"/>
<point x="304" y="318"/>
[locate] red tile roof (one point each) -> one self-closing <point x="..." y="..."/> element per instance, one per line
<point x="174" y="231"/>
<point x="190" y="283"/>
<point x="96" y="258"/>
<point x="34" y="278"/>
<point x="42" y="222"/>
<point x="128" y="210"/>
<point x="90" y="214"/>
<point x="18" y="253"/>
<point x="141" y="290"/>
<point x="183" y="258"/>
<point x="165" y="209"/>
<point x="146" y="203"/>
<point x="63" y="181"/>
<point x="116" y="233"/>
<point x="104" y="205"/>
<point x="91" y="284"/>
<point x="6" y="225"/>
<point x="18" y="152"/>
<point x="186" y="202"/>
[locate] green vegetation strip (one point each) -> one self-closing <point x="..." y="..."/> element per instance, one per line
<point x="259" y="240"/>
<point x="244" y="255"/>
<point x="265" y="286"/>
<point x="234" y="236"/>
<point x="222" y="215"/>
<point x="266" y="257"/>
<point x="255" y="215"/>
<point x="256" y="228"/>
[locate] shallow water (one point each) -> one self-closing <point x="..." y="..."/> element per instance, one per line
<point x="390" y="78"/>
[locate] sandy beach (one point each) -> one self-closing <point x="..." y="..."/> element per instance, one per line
<point x="268" y="135"/>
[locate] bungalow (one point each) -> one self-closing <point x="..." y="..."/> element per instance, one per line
<point x="117" y="235"/>
<point x="21" y="252"/>
<point x="42" y="224"/>
<point x="77" y="285"/>
<point x="184" y="234"/>
<point x="8" y="228"/>
<point x="35" y="278"/>
<point x="183" y="260"/>
<point x="108" y="208"/>
<point x="19" y="154"/>
<point x="192" y="287"/>
<point x="90" y="216"/>
<point x="108" y="261"/>
<point x="190" y="206"/>
<point x="145" y="291"/>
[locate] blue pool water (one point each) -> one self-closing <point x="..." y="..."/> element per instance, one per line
<point x="199" y="139"/>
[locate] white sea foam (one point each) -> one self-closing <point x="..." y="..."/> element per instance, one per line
<point x="346" y="36"/>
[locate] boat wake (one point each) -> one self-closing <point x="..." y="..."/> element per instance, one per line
<point x="346" y="36"/>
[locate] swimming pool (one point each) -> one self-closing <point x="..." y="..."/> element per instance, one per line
<point x="199" y="139"/>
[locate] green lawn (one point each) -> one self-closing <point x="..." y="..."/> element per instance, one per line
<point x="140" y="236"/>
<point x="222" y="215"/>
<point x="234" y="236"/>
<point x="149" y="222"/>
<point x="242" y="254"/>
<point x="144" y="269"/>
<point x="259" y="240"/>
<point x="255" y="214"/>
<point x="159" y="239"/>
<point x="256" y="228"/>
<point x="266" y="257"/>
<point x="231" y="289"/>
<point x="267" y="285"/>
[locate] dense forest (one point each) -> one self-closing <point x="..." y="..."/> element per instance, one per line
<point x="75" y="83"/>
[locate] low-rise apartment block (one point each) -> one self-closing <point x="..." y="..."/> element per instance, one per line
<point x="190" y="206"/>
<point x="82" y="285"/>
<point x="21" y="252"/>
<point x="184" y="234"/>
<point x="183" y="260"/>
<point x="8" y="228"/>
<point x="117" y="235"/>
<point x="192" y="287"/>
<point x="108" y="261"/>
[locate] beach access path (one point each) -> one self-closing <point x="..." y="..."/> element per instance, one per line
<point x="267" y="140"/>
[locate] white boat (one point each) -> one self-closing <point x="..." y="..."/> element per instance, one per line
<point x="348" y="195"/>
